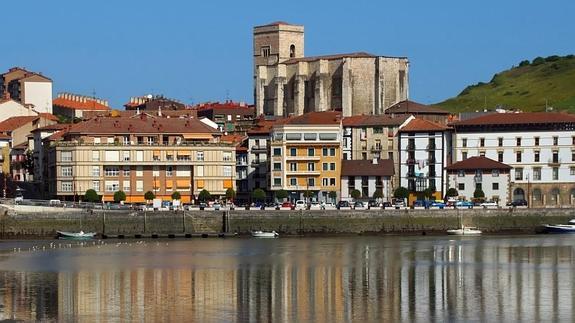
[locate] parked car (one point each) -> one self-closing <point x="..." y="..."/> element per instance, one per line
<point x="217" y="206"/>
<point x="438" y="204"/>
<point x="373" y="203"/>
<point x="421" y="203"/>
<point x="359" y="205"/>
<point x="314" y="205"/>
<point x="287" y="204"/>
<point x="464" y="204"/>
<point x="398" y="203"/>
<point x="519" y="202"/>
<point x="300" y="205"/>
<point x="341" y="204"/>
<point x="489" y="204"/>
<point x="386" y="204"/>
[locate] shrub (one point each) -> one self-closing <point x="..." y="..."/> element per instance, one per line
<point x="538" y="61"/>
<point x="149" y="196"/>
<point x="258" y="194"/>
<point x="176" y="195"/>
<point x="451" y="192"/>
<point x="204" y="195"/>
<point x="355" y="194"/>
<point x="378" y="194"/>
<point x="478" y="194"/>
<point x="401" y="193"/>
<point x="428" y="192"/>
<point x="119" y="196"/>
<point x="332" y="194"/>
<point x="281" y="194"/>
<point x="230" y="193"/>
<point x="524" y="63"/>
<point x="91" y="196"/>
<point x="552" y="58"/>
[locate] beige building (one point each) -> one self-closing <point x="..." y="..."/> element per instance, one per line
<point x="288" y="83"/>
<point x="140" y="154"/>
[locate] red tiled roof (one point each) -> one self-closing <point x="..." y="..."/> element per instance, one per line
<point x="141" y="124"/>
<point x="79" y="105"/>
<point x="48" y="116"/>
<point x="14" y="123"/>
<point x="56" y="126"/>
<point x="478" y="162"/>
<point x="318" y="118"/>
<point x="524" y="118"/>
<point x="234" y="139"/>
<point x="374" y="120"/>
<point x="420" y="125"/>
<point x="384" y="167"/>
<point x="57" y="135"/>
<point x="410" y="107"/>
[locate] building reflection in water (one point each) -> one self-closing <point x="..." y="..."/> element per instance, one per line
<point x="329" y="280"/>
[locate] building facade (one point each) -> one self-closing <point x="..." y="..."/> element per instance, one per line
<point x="424" y="152"/>
<point x="490" y="176"/>
<point x="368" y="177"/>
<point x="28" y="88"/>
<point x="75" y="106"/>
<point x="288" y="83"/>
<point x="539" y="146"/>
<point x="230" y="117"/>
<point x="140" y="154"/>
<point x="305" y="156"/>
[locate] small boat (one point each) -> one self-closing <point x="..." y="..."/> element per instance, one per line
<point x="560" y="228"/>
<point x="262" y="234"/>
<point x="464" y="231"/>
<point x="76" y="235"/>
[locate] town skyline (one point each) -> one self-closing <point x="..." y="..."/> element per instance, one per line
<point x="202" y="60"/>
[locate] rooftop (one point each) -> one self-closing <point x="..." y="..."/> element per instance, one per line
<point x="384" y="167"/>
<point x="79" y="102"/>
<point x="422" y="125"/>
<point x="523" y="118"/>
<point x="374" y="120"/>
<point x="410" y="107"/>
<point x="316" y="118"/>
<point x="14" y="123"/>
<point x="478" y="162"/>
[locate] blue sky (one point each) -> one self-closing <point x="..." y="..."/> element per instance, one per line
<point x="201" y="51"/>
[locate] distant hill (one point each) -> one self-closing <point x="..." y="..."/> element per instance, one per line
<point x="524" y="87"/>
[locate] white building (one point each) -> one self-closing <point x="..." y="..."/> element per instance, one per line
<point x="539" y="146"/>
<point x="10" y="108"/>
<point x="491" y="176"/>
<point x="29" y="88"/>
<point x="367" y="176"/>
<point x="424" y="151"/>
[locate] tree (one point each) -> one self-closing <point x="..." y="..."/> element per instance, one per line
<point x="478" y="194"/>
<point x="204" y="195"/>
<point x="176" y="195"/>
<point x="332" y="194"/>
<point x="308" y="194"/>
<point x="378" y="194"/>
<point x="258" y="194"/>
<point x="119" y="196"/>
<point x="401" y="193"/>
<point x="355" y="194"/>
<point x="230" y="193"/>
<point x="538" y="61"/>
<point x="452" y="192"/>
<point x="428" y="192"/>
<point x="281" y="194"/>
<point x="149" y="196"/>
<point x="524" y="63"/>
<point x="91" y="196"/>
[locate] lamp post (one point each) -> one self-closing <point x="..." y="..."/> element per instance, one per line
<point x="528" y="191"/>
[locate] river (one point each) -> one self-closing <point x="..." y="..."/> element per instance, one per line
<point x="319" y="279"/>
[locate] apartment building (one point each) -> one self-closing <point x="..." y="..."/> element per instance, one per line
<point x="78" y="106"/>
<point x="139" y="154"/>
<point x="29" y="88"/>
<point x="368" y="177"/>
<point x="306" y="156"/>
<point x="539" y="146"/>
<point x="236" y="117"/>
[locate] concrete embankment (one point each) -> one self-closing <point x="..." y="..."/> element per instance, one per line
<point x="44" y="223"/>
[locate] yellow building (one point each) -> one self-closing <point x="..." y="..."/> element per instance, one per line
<point x="139" y="154"/>
<point x="306" y="156"/>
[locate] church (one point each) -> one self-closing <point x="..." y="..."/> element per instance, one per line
<point x="287" y="83"/>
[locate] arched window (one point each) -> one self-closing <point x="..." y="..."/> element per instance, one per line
<point x="554" y="198"/>
<point x="518" y="194"/>
<point x="572" y="196"/>
<point x="537" y="197"/>
<point x="292" y="50"/>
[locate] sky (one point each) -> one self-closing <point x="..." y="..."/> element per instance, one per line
<point x="202" y="51"/>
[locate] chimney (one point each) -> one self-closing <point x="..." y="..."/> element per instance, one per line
<point x="374" y="161"/>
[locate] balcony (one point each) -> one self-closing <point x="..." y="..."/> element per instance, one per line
<point x="259" y="148"/>
<point x="376" y="148"/>
<point x="554" y="161"/>
<point x="303" y="172"/>
<point x="302" y="157"/>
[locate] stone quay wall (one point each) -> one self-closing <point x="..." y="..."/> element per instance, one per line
<point x="39" y="223"/>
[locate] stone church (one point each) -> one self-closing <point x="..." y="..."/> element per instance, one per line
<point x="288" y="83"/>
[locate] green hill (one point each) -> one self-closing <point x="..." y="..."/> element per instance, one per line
<point x="526" y="87"/>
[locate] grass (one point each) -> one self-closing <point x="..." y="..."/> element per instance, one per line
<point x="531" y="87"/>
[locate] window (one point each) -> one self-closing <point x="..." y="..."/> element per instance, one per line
<point x="461" y="173"/>
<point x="277" y="181"/>
<point x="325" y="181"/>
<point x="139" y="186"/>
<point x="537" y="173"/>
<point x="500" y="142"/>
<point x="325" y="152"/>
<point x="293" y="152"/>
<point x="377" y="129"/>
<point x="67" y="186"/>
<point x="482" y="153"/>
<point x="156" y="171"/>
<point x="227" y="171"/>
<point x="95" y="155"/>
<point x="200" y="156"/>
<point x="518" y="141"/>
<point x="495" y="173"/>
<point x="126" y="171"/>
<point x="555" y="173"/>
<point x="96" y="186"/>
<point x="572" y="170"/>
<point x="293" y="167"/>
<point x="518" y="174"/>
<point x="293" y="181"/>
<point x="66" y="171"/>
<point x="126" y="140"/>
<point x="110" y="140"/>
<point x="555" y="157"/>
<point x="66" y="156"/>
<point x="112" y="186"/>
<point x="325" y="166"/>
<point x="139" y="171"/>
<point x="364" y="156"/>
<point x="277" y="151"/>
<point x="227" y="156"/>
<point x="572" y="155"/>
<point x="464" y="142"/>
<point x="310" y="152"/>
<point x="536" y="141"/>
<point x="331" y="166"/>
<point x="97" y="140"/>
<point x="332" y="181"/>
<point x="495" y="186"/>
<point x="555" y="140"/>
<point x="200" y="171"/>
<point x="518" y="156"/>
<point x="126" y="155"/>
<point x="536" y="156"/>
<point x="266" y="51"/>
<point x="481" y="142"/>
<point x="139" y="155"/>
<point x="170" y="171"/>
<point x="311" y="181"/>
<point x="461" y="186"/>
<point x="500" y="156"/>
<point x="126" y="186"/>
<point x="310" y="136"/>
<point x="111" y="171"/>
<point x="464" y="155"/>
<point x="277" y="166"/>
<point x="95" y="171"/>
<point x="311" y="167"/>
<point x="292" y="50"/>
<point x="332" y="152"/>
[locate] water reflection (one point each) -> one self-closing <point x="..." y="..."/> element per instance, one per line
<point x="319" y="279"/>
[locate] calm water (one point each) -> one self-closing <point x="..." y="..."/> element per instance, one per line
<point x="364" y="279"/>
